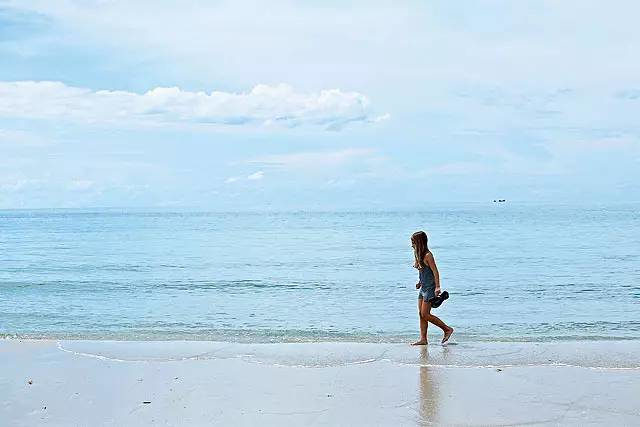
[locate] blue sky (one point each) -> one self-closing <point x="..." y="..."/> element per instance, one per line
<point x="292" y="105"/>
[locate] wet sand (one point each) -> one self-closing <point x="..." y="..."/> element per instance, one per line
<point x="202" y="383"/>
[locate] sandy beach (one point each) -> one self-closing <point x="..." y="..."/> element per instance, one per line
<point x="80" y="383"/>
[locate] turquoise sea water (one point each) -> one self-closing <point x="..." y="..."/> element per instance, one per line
<point x="515" y="272"/>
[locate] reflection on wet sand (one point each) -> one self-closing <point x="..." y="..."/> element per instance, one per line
<point x="428" y="388"/>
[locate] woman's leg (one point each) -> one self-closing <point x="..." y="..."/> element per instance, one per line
<point x="423" y="325"/>
<point x="426" y="314"/>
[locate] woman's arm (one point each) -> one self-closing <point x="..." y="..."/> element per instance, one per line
<point x="431" y="262"/>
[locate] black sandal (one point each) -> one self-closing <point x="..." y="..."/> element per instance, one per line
<point x="437" y="301"/>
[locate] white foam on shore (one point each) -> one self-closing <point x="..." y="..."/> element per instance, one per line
<point x="622" y="357"/>
<point x="201" y="356"/>
<point x="91" y="355"/>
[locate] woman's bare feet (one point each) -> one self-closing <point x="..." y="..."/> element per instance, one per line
<point x="421" y="342"/>
<point x="447" y="335"/>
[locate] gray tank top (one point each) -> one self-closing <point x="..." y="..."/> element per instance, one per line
<point x="426" y="276"/>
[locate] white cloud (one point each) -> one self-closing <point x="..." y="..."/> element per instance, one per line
<point x="81" y="184"/>
<point x="458" y="168"/>
<point x="608" y="143"/>
<point x="337" y="167"/>
<point x="9" y="136"/>
<point x="381" y="118"/>
<point x="256" y="176"/>
<point x="263" y="105"/>
<point x="16" y="185"/>
<point x="318" y="159"/>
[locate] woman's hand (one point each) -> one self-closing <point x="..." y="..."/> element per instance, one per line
<point x="437" y="290"/>
<point x="418" y="285"/>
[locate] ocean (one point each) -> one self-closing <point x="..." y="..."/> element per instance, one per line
<point x="515" y="272"/>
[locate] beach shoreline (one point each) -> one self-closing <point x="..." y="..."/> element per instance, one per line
<point x="49" y="382"/>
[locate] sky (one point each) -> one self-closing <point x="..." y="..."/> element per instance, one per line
<point x="241" y="105"/>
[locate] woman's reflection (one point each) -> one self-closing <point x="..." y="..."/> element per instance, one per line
<point x="428" y="399"/>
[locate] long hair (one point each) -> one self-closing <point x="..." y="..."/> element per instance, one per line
<point x="420" y="243"/>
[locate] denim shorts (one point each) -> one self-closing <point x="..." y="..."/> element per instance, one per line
<point x="427" y="292"/>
